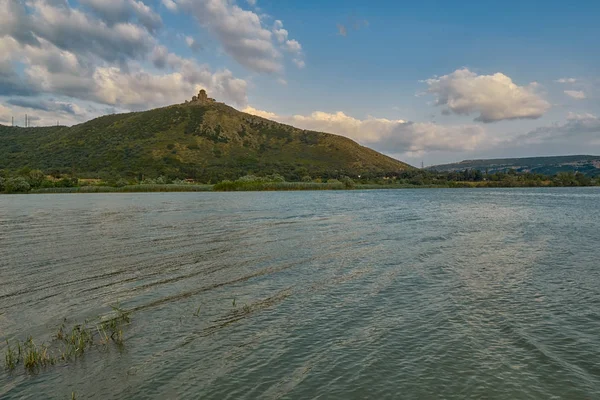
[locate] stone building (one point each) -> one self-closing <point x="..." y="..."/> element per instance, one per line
<point x="202" y="98"/>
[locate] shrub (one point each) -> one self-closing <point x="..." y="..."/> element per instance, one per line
<point x="250" y="178"/>
<point x="348" y="182"/>
<point x="36" y="178"/>
<point x="162" y="180"/>
<point x="121" y="183"/>
<point x="67" y="182"/>
<point x="17" y="185"/>
<point x="275" y="178"/>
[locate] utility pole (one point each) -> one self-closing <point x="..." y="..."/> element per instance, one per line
<point x="13" y="121"/>
<point x="422" y="165"/>
<point x="25" y="120"/>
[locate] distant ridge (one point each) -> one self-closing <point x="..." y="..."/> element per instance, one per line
<point x="200" y="139"/>
<point x="551" y="165"/>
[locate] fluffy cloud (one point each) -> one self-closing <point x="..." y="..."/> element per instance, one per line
<point x="193" y="44"/>
<point x="293" y="46"/>
<point x="48" y="47"/>
<point x="137" y="88"/>
<point x="280" y="34"/>
<point x="390" y="136"/>
<point x="44" y="112"/>
<point x="494" y="97"/>
<point x="115" y="11"/>
<point x="581" y="128"/>
<point x="566" y="80"/>
<point x="74" y="30"/>
<point x="260" y="113"/>
<point x="48" y="105"/>
<point x="170" y="5"/>
<point x="576" y="94"/>
<point x="242" y="34"/>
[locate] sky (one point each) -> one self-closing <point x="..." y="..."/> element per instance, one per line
<point x="429" y="81"/>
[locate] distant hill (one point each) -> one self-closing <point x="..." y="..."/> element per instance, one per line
<point x="202" y="139"/>
<point x="589" y="165"/>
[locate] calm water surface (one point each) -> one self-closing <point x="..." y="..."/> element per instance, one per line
<point x="413" y="294"/>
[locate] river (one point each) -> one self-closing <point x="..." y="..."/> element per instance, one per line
<point x="413" y="294"/>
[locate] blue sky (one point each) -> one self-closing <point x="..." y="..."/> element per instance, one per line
<point x="427" y="80"/>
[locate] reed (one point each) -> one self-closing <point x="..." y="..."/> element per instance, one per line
<point x="35" y="357"/>
<point x="127" y="189"/>
<point x="12" y="357"/>
<point x="70" y="343"/>
<point x="229" y="186"/>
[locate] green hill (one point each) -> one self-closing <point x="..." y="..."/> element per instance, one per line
<point x="588" y="165"/>
<point x="206" y="141"/>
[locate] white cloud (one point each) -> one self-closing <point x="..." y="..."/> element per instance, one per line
<point x="390" y="136"/>
<point x="293" y="46"/>
<point x="43" y="113"/>
<point x="114" y="11"/>
<point x="579" y="128"/>
<point x="146" y="15"/>
<point x="576" y="94"/>
<point x="585" y="116"/>
<point x="193" y="44"/>
<point x="299" y="63"/>
<point x="241" y="33"/>
<point x="251" y="2"/>
<point x="566" y="80"/>
<point x="280" y="34"/>
<point x="260" y="113"/>
<point x="73" y="30"/>
<point x="66" y="52"/>
<point x="495" y="97"/>
<point x="6" y="115"/>
<point x="170" y="5"/>
<point x="47" y="105"/>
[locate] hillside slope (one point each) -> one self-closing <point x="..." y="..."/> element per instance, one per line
<point x="203" y="141"/>
<point x="589" y="165"/>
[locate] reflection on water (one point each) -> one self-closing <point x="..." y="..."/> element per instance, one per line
<point x="378" y="294"/>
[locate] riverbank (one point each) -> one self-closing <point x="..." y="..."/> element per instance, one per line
<point x="280" y="186"/>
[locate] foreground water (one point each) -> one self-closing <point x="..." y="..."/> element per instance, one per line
<point x="415" y="294"/>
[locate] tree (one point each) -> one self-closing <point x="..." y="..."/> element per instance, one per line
<point x="348" y="182"/>
<point x="36" y="178"/>
<point x="17" y="185"/>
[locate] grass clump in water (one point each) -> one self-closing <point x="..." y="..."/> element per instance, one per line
<point x="29" y="354"/>
<point x="35" y="357"/>
<point x="12" y="357"/>
<point x="76" y="341"/>
<point x="70" y="343"/>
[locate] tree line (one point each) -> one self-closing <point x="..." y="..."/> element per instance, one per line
<point x="26" y="179"/>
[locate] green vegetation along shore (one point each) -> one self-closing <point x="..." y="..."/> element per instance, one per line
<point x="36" y="181"/>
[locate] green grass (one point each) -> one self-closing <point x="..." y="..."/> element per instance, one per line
<point x="127" y="189"/>
<point x="35" y="356"/>
<point x="229" y="186"/>
<point x="68" y="343"/>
